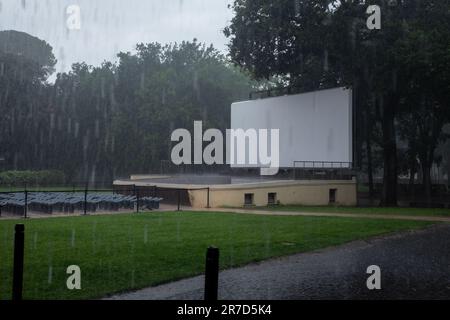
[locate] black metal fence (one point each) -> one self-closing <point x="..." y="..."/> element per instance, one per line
<point x="323" y="170"/>
<point x="178" y="197"/>
<point x="22" y="203"/>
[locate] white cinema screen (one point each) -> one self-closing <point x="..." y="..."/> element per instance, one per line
<point x="313" y="127"/>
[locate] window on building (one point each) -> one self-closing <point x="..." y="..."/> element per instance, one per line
<point x="248" y="199"/>
<point x="332" y="196"/>
<point x="271" y="198"/>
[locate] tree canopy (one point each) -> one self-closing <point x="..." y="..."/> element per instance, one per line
<point x="103" y="122"/>
<point x="396" y="72"/>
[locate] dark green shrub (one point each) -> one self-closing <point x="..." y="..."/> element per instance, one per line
<point x="32" y="178"/>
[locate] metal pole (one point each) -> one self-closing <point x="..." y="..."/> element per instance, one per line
<point x="207" y="204"/>
<point x="85" y="200"/>
<point x="179" y="199"/>
<point x="26" y="204"/>
<point x="19" y="238"/>
<point x="212" y="274"/>
<point x="137" y="200"/>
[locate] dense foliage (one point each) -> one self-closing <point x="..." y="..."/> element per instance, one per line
<point x="98" y="123"/>
<point x="399" y="73"/>
<point x="32" y="178"/>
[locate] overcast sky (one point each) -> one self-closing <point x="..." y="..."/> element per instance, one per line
<point x="110" y="26"/>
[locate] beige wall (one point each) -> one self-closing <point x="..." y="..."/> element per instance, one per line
<point x="303" y="193"/>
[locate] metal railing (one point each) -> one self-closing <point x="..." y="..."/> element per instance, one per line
<point x="322" y="169"/>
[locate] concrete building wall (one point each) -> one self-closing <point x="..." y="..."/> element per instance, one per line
<point x="300" y="193"/>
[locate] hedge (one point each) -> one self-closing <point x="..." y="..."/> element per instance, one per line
<point x="32" y="178"/>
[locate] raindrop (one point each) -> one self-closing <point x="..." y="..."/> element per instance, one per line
<point x="113" y="143"/>
<point x="52" y="121"/>
<point x="142" y="81"/>
<point x="35" y="238"/>
<point x="232" y="255"/>
<point x="50" y="274"/>
<point x="94" y="227"/>
<point x="132" y="278"/>
<point x="297" y="7"/>
<point x="178" y="230"/>
<point x="268" y="244"/>
<point x="109" y="270"/>
<point x="97" y="129"/>
<point x="77" y="129"/>
<point x="72" y="240"/>
<point x="69" y="126"/>
<point x="163" y="96"/>
<point x="146" y="234"/>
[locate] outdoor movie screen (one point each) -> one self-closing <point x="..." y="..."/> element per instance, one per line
<point x="314" y="126"/>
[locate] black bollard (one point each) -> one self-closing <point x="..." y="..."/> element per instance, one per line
<point x="19" y="238"/>
<point x="25" y="207"/>
<point x="212" y="274"/>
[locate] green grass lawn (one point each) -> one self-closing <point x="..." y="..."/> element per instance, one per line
<point x="130" y="251"/>
<point x="362" y="210"/>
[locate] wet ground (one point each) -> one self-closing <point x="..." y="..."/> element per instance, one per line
<point x="414" y="265"/>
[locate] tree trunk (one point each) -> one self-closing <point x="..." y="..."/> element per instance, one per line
<point x="389" y="194"/>
<point x="426" y="174"/>
<point x="412" y="173"/>
<point x="448" y="173"/>
<point x="370" y="169"/>
<point x="369" y="156"/>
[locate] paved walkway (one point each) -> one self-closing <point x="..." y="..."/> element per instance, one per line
<point x="414" y="265"/>
<point x="169" y="207"/>
<point x="330" y="214"/>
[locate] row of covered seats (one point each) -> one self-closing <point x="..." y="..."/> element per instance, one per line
<point x="49" y="202"/>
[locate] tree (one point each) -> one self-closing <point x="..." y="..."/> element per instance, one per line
<point x="320" y="43"/>
<point x="35" y="51"/>
<point x="25" y="62"/>
<point x="425" y="61"/>
<point x="114" y="111"/>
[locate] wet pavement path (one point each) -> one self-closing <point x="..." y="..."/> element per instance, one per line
<point x="430" y="218"/>
<point x="414" y="265"/>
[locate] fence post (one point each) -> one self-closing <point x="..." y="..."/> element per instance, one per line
<point x="26" y="203"/>
<point x="207" y="202"/>
<point x="19" y="238"/>
<point x="137" y="200"/>
<point x="179" y="199"/>
<point x="85" y="200"/>
<point x="212" y="274"/>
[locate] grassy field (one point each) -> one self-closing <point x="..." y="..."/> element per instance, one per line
<point x="363" y="210"/>
<point x="130" y="251"/>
